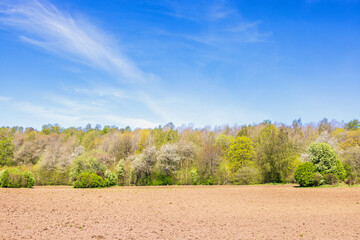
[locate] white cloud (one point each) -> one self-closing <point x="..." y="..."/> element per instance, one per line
<point x="56" y="31"/>
<point x="4" y="99"/>
<point x="71" y="113"/>
<point x="218" y="22"/>
<point x="137" y="96"/>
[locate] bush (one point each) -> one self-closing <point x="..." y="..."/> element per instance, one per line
<point x="194" y="176"/>
<point x="162" y="180"/>
<point x="88" y="180"/>
<point x="318" y="179"/>
<point x="14" y="178"/>
<point x="351" y="179"/>
<point x="304" y="174"/>
<point x="247" y="175"/>
<point x="120" y="171"/>
<point x="325" y="160"/>
<point x="331" y="179"/>
<point x="53" y="177"/>
<point x="29" y="179"/>
<point x="86" y="163"/>
<point x="110" y="178"/>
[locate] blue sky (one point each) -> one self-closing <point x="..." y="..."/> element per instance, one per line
<point x="145" y="63"/>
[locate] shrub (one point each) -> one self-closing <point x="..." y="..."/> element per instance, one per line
<point x="29" y="179"/>
<point x="110" y="178"/>
<point x="331" y="179"/>
<point x="88" y="180"/>
<point x="14" y="178"/>
<point x="318" y="179"/>
<point x="168" y="159"/>
<point x="162" y="180"/>
<point x="247" y="175"/>
<point x="86" y="163"/>
<point x="325" y="160"/>
<point x="351" y="179"/>
<point x="50" y="177"/>
<point x="194" y="176"/>
<point x="304" y="174"/>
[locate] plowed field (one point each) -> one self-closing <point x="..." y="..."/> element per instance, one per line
<point x="180" y="212"/>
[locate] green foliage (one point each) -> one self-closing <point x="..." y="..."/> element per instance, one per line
<point x="318" y="179"/>
<point x="164" y="136"/>
<point x="86" y="163"/>
<point x="351" y="178"/>
<point x="29" y="179"/>
<point x="305" y="173"/>
<point x="120" y="171"/>
<point x="54" y="177"/>
<point x="244" y="131"/>
<point x="110" y="178"/>
<point x="331" y="179"/>
<point x="325" y="160"/>
<point x="353" y="125"/>
<point x="6" y="152"/>
<point x="49" y="128"/>
<point x="142" y="166"/>
<point x="89" y="180"/>
<point x="223" y="142"/>
<point x="90" y="138"/>
<point x="15" y="178"/>
<point x="248" y="174"/>
<point x="162" y="179"/>
<point x="276" y="154"/>
<point x="260" y="153"/>
<point x="241" y="151"/>
<point x="194" y="176"/>
<point x="351" y="159"/>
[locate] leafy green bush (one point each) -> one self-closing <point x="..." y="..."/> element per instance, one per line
<point x="248" y="174"/>
<point x="325" y="160"/>
<point x="194" y="176"/>
<point x="88" y="180"/>
<point x="162" y="180"/>
<point x="331" y="179"/>
<point x="86" y="163"/>
<point x="318" y="179"/>
<point x="351" y="179"/>
<point x="304" y="174"/>
<point x="14" y="178"/>
<point x="29" y="179"/>
<point x="110" y="178"/>
<point x="53" y="177"/>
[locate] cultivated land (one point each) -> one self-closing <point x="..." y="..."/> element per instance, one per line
<point x="180" y="212"/>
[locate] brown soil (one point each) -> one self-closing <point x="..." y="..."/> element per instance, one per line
<point x="180" y="212"/>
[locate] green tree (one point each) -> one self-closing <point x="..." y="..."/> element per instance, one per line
<point x="223" y="142"/>
<point x="275" y="154"/>
<point x="241" y="151"/>
<point x="6" y="152"/>
<point x="86" y="163"/>
<point x="305" y="174"/>
<point x="325" y="159"/>
<point x="353" y="125"/>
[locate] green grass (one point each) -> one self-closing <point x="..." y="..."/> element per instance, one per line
<point x="342" y="184"/>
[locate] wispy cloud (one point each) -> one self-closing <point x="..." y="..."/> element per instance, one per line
<point x="69" y="112"/>
<point x="42" y="24"/>
<point x="118" y="94"/>
<point x="219" y="10"/>
<point x="215" y="23"/>
<point x="4" y="99"/>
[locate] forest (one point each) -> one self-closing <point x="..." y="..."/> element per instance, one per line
<point x="167" y="155"/>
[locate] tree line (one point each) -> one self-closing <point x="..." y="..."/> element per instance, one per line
<point x="249" y="154"/>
